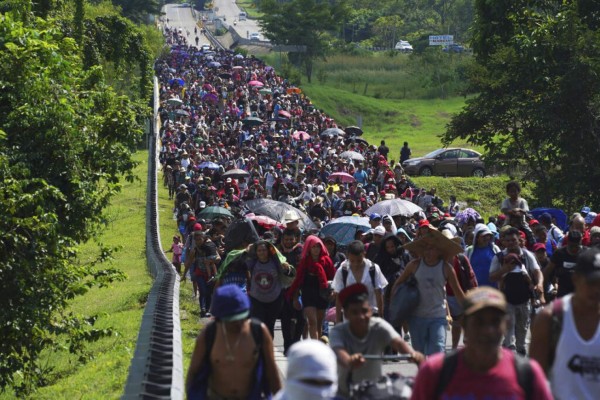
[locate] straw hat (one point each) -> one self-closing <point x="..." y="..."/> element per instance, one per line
<point x="435" y="238"/>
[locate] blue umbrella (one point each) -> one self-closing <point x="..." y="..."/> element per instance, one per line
<point x="214" y="64"/>
<point x="209" y="165"/>
<point x="558" y="214"/>
<point x="179" y="81"/>
<point x="344" y="229"/>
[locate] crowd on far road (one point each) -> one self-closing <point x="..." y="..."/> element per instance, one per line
<point x="284" y="214"/>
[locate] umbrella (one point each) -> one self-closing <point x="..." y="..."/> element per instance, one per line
<point x="252" y="121"/>
<point x="344" y="229"/>
<point x="256" y="83"/>
<point x="276" y="210"/>
<point x="236" y="173"/>
<point x="293" y="90"/>
<point x="394" y="207"/>
<point x="265" y="91"/>
<point x="178" y="81"/>
<point x="353" y="130"/>
<point x="225" y="75"/>
<point x="300" y="135"/>
<point x="207" y="87"/>
<point x="182" y="112"/>
<point x="342" y="176"/>
<point x="239" y="56"/>
<point x="558" y="214"/>
<point x="352" y="155"/>
<point x="215" y="212"/>
<point x="210" y="97"/>
<point x="332" y="132"/>
<point x="214" y="64"/>
<point x="209" y="165"/>
<point x="360" y="141"/>
<point x="174" y="101"/>
<point x="278" y="119"/>
<point x="285" y="114"/>
<point x="237" y="67"/>
<point x="264" y="221"/>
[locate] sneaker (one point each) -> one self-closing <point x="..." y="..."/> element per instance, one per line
<point x="202" y="313"/>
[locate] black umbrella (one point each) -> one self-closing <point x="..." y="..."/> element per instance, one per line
<point x="225" y="75"/>
<point x="182" y="112"/>
<point x="252" y="121"/>
<point x="353" y="130"/>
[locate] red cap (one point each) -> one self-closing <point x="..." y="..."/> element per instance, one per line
<point x="446" y="215"/>
<point x="351" y="290"/>
<point x="278" y="166"/>
<point x="382" y="193"/>
<point x="522" y="234"/>
<point x="501" y="217"/>
<point x="534" y="222"/>
<point x="423" y="223"/>
<point x="191" y="218"/>
<point x="197" y="227"/>
<point x="538" y="247"/>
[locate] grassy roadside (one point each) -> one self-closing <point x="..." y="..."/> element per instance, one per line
<point x="120" y="306"/>
<point x="250" y="8"/>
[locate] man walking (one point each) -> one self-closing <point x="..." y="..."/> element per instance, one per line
<point x="482" y="369"/>
<point x="405" y="153"/>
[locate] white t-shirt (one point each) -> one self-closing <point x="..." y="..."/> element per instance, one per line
<point x="380" y="281"/>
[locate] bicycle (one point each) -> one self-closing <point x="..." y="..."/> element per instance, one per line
<point x="389" y="386"/>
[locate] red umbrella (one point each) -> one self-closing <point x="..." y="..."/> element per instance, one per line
<point x="342" y="176"/>
<point x="284" y="113"/>
<point x="300" y="135"/>
<point x="294" y="89"/>
<point x="264" y="221"/>
<point x="256" y="83"/>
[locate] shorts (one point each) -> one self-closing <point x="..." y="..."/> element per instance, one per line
<point x="311" y="296"/>
<point x="456" y="309"/>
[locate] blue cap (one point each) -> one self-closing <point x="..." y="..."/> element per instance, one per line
<point x="585" y="210"/>
<point x="374" y="216"/>
<point x="230" y="303"/>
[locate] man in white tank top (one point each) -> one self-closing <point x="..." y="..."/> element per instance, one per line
<point x="574" y="372"/>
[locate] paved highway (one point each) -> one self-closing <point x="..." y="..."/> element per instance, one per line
<point x="180" y="17"/>
<point x="230" y="10"/>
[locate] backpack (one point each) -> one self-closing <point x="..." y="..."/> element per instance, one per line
<point x="518" y="286"/>
<point x="345" y="272"/>
<point x="199" y="386"/>
<point x="522" y="367"/>
<point x="466" y="276"/>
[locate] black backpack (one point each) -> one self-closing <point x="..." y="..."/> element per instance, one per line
<point x="345" y="272"/>
<point x="522" y="366"/>
<point x="516" y="286"/>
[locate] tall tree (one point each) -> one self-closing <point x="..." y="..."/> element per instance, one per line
<point x="538" y="79"/>
<point x="303" y="23"/>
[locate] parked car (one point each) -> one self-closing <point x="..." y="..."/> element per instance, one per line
<point x="403" y="46"/>
<point x="451" y="161"/>
<point x="254" y="36"/>
<point x="454" y="48"/>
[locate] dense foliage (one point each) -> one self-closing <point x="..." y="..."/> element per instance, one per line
<point x="66" y="138"/>
<point x="538" y="79"/>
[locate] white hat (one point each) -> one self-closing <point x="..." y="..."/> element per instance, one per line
<point x="290" y="216"/>
<point x="202" y="204"/>
<point x="379" y="230"/>
<point x="228" y="180"/>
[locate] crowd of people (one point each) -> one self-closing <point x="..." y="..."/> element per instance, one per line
<point x="233" y="131"/>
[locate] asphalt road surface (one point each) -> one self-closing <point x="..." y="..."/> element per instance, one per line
<point x="180" y="16"/>
<point x="230" y="10"/>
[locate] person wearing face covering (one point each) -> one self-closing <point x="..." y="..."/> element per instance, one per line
<point x="311" y="372"/>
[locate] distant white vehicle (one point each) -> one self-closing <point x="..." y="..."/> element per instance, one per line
<point x="243" y="16"/>
<point x="403" y="46"/>
<point x="254" y="36"/>
<point x="205" y="47"/>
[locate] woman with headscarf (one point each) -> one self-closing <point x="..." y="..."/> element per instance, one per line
<point x="314" y="271"/>
<point x="388" y="223"/>
<point x="264" y="284"/>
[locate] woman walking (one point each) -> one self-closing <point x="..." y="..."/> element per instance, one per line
<point x="314" y="271"/>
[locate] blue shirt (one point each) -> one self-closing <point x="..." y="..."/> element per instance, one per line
<point x="481" y="260"/>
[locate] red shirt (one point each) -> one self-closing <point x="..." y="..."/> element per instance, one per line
<point x="498" y="383"/>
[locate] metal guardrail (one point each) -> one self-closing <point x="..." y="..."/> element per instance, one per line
<point x="156" y="370"/>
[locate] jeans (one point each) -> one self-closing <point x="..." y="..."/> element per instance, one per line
<point x="292" y="324"/>
<point x="428" y="335"/>
<point x="518" y="323"/>
<point x="267" y="312"/>
<point x="204" y="292"/>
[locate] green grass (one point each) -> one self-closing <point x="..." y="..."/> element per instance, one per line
<point x="419" y="122"/>
<point x="482" y="194"/>
<point x="250" y="8"/>
<point x="121" y="305"/>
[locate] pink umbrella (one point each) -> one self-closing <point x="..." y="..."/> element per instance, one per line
<point x="301" y="135"/>
<point x="256" y="83"/>
<point x="264" y="221"/>
<point x="284" y="113"/>
<point x="342" y="176"/>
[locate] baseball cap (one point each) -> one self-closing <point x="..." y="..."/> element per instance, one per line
<point x="546" y="218"/>
<point x="423" y="223"/>
<point x="533" y="222"/>
<point x="585" y="210"/>
<point x="379" y="230"/>
<point x="484" y="297"/>
<point x="230" y="304"/>
<point x="352" y="290"/>
<point x="202" y="204"/>
<point x="228" y="180"/>
<point x="590" y="217"/>
<point x="539" y="246"/>
<point x="588" y="264"/>
<point x="374" y="216"/>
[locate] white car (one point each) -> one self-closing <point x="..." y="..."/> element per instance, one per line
<point x="403" y="46"/>
<point x="254" y="36"/>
